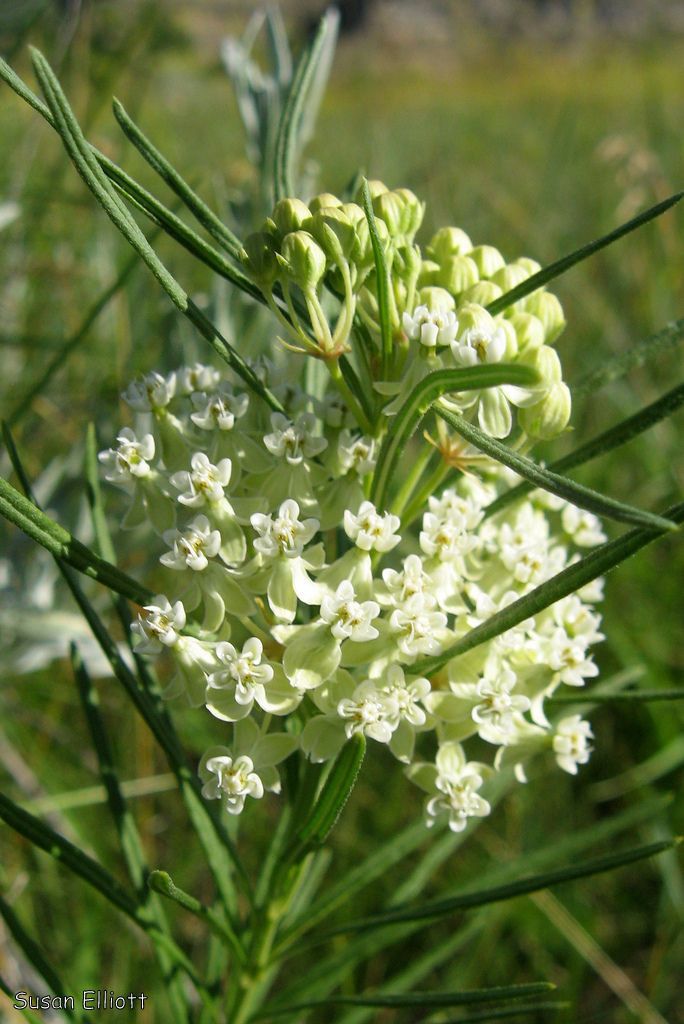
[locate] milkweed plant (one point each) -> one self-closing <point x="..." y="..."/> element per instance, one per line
<point x="353" y="544"/>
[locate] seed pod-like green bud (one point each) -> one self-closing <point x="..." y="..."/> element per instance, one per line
<point x="323" y="199"/>
<point x="389" y="206"/>
<point x="448" y="242"/>
<point x="413" y="211"/>
<point x="512" y="347"/>
<point x="334" y="232"/>
<point x="529" y="330"/>
<point x="529" y="265"/>
<point x="457" y="273"/>
<point x="509" y="277"/>
<point x="487" y="259"/>
<point x="482" y="293"/>
<point x="436" y="300"/>
<point x="354" y="212"/>
<point x="289" y="215"/>
<point x="474" y="317"/>
<point x="365" y="257"/>
<point x="375" y="187"/>
<point x="429" y="272"/>
<point x="548" y="418"/>
<point x="547" y="364"/>
<point x="259" y="257"/>
<point x="548" y="309"/>
<point x="303" y="259"/>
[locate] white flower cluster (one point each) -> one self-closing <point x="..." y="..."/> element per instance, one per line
<point x="307" y="602"/>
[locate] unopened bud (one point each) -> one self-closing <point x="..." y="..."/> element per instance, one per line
<point x="529" y="265"/>
<point x="436" y="300"/>
<point x="472" y="317"/>
<point x="323" y="199"/>
<point x="481" y="293"/>
<point x="259" y="257"/>
<point x="548" y="418"/>
<point x="487" y="259"/>
<point x="510" y="276"/>
<point x="448" y="242"/>
<point x="375" y="187"/>
<point x="389" y="206"/>
<point x="548" y="309"/>
<point x="334" y="232"/>
<point x="457" y="273"/>
<point x="413" y="211"/>
<point x="429" y="272"/>
<point x="303" y="259"/>
<point x="289" y="215"/>
<point x="528" y="329"/>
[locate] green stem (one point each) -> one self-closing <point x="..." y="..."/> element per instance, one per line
<point x="344" y="390"/>
<point x="429" y="487"/>
<point x="411" y="479"/>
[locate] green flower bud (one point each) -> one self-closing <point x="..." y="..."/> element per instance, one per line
<point x="549" y="311"/>
<point x="323" y="199"/>
<point x="334" y="232"/>
<point x="512" y="345"/>
<point x="471" y="316"/>
<point x="529" y="265"/>
<point x="429" y="272"/>
<point x="529" y="330"/>
<point x="436" y="300"/>
<point x="547" y="364"/>
<point x="407" y="263"/>
<point x="354" y="212"/>
<point x="448" y="242"/>
<point x="487" y="259"/>
<point x="389" y="206"/>
<point x="289" y="215"/>
<point x="375" y="187"/>
<point x="509" y="277"/>
<point x="548" y="418"/>
<point x="259" y="257"/>
<point x="481" y="293"/>
<point x="303" y="259"/>
<point x="413" y="211"/>
<point x="457" y="273"/>
<point x="365" y="258"/>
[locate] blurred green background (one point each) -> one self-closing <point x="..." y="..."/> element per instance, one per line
<point x="535" y="127"/>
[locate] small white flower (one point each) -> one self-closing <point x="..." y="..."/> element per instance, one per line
<point x="479" y="345"/>
<point x="583" y="527"/>
<point x="571" y="743"/>
<point x="205" y="483"/>
<point x="284" y="534"/>
<point x="230" y="780"/>
<point x="406" y="695"/>
<point x="370" y="530"/>
<point x="197" y="377"/>
<point x="130" y="460"/>
<point x="153" y="391"/>
<point x="457" y="782"/>
<point x="159" y="624"/>
<point x="243" y="670"/>
<point x="218" y="411"/>
<point x="431" y="328"/>
<point x="411" y="580"/>
<point x="445" y="539"/>
<point x="370" y="712"/>
<point x="356" y="452"/>
<point x="416" y="628"/>
<point x="193" y="547"/>
<point x="567" y="656"/>
<point x="347" y="617"/>
<point x="495" y="714"/>
<point x="294" y="441"/>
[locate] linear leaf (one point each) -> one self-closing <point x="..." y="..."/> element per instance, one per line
<point x="604" y="442"/>
<point x="468" y="901"/>
<point x="34" y="954"/>
<point x="426" y="392"/>
<point x="413" y="999"/>
<point x="162" y="883"/>
<point x="570" y="579"/>
<point x="573" y="492"/>
<point x="553" y="270"/>
<point x="382" y="278"/>
<point x="626" y="697"/>
<point x="60" y="543"/>
<point x="204" y="215"/>
<point x="28" y="1015"/>
<point x="294" y="121"/>
<point x="620" y="365"/>
<point x="500" y="1013"/>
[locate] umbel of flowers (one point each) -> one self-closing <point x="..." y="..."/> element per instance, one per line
<point x="295" y="611"/>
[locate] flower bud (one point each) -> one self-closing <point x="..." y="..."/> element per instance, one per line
<point x="512" y="341"/>
<point x="289" y="215"/>
<point x="547" y="364"/>
<point x="457" y="273"/>
<point x="436" y="300"/>
<point x="548" y="418"/>
<point x="413" y="211"/>
<point x="334" y="232"/>
<point x="429" y="271"/>
<point x="259" y="257"/>
<point x="448" y="242"/>
<point x="472" y="317"/>
<point x="375" y="187"/>
<point x="354" y="212"/>
<point x="529" y="265"/>
<point x="481" y="293"/>
<point x="510" y="276"/>
<point x="487" y="259"/>
<point x="389" y="206"/>
<point x="407" y="263"/>
<point x="529" y="330"/>
<point x="548" y="309"/>
<point x="323" y="199"/>
<point x="365" y="258"/>
<point x="303" y="259"/>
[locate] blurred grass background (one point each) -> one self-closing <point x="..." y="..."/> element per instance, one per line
<point x="535" y="127"/>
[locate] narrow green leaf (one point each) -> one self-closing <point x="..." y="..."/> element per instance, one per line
<point x="204" y="215"/>
<point x="28" y="1015"/>
<point x="468" y="901"/>
<point x="548" y="273"/>
<point x="293" y="122"/>
<point x="60" y="543"/>
<point x="626" y="697"/>
<point x="501" y="1013"/>
<point x="426" y="392"/>
<point x="604" y="442"/>
<point x="620" y="365"/>
<point x="576" y="494"/>
<point x="570" y="579"/>
<point x="34" y="954"/>
<point x="382" y="279"/>
<point x="66" y="853"/>
<point x="162" y="883"/>
<point x="423" y="1000"/>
